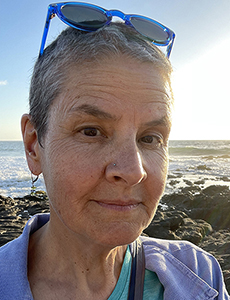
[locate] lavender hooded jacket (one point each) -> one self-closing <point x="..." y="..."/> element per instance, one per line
<point x="186" y="271"/>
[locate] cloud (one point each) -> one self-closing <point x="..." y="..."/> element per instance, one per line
<point x="3" y="82"/>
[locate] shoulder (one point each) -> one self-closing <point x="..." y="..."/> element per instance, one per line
<point x="182" y="251"/>
<point x="12" y="251"/>
<point x="172" y="246"/>
<point x="182" y="262"/>
<point x="15" y="248"/>
<point x="13" y="262"/>
<point x="13" y="269"/>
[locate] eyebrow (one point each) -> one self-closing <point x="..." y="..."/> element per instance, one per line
<point x="93" y="111"/>
<point x="164" y="121"/>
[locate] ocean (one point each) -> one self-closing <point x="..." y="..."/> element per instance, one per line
<point x="200" y="163"/>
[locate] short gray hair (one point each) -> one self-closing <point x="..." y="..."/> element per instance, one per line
<point x="74" y="47"/>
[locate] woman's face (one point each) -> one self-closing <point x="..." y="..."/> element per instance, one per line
<point x="105" y="151"/>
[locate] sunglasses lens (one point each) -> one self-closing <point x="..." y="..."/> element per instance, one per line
<point x="84" y="16"/>
<point x="151" y="30"/>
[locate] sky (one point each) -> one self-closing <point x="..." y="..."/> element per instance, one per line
<point x="200" y="59"/>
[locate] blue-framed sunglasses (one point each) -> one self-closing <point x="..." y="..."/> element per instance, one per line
<point x="89" y="17"/>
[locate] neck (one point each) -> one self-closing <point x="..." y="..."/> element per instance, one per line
<point x="58" y="254"/>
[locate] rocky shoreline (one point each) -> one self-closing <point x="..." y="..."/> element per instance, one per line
<point x="201" y="216"/>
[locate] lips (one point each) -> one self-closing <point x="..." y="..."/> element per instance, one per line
<point x="119" y="205"/>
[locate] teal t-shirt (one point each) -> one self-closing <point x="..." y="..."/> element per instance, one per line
<point x="153" y="289"/>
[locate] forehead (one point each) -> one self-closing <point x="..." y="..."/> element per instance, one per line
<point x="122" y="82"/>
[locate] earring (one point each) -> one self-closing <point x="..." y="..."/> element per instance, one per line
<point x="33" y="187"/>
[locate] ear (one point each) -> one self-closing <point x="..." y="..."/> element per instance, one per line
<point x="31" y="144"/>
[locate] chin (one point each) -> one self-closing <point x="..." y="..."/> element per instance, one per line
<point x="121" y="235"/>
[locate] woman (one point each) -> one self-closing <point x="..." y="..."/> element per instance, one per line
<point x="98" y="129"/>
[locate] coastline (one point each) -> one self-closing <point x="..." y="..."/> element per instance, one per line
<point x="199" y="215"/>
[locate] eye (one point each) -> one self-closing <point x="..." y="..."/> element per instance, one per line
<point x="147" y="139"/>
<point x="152" y="140"/>
<point x="91" y="131"/>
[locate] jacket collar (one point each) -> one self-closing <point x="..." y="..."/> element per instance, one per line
<point x="175" y="276"/>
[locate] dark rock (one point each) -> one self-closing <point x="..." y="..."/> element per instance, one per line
<point x="188" y="182"/>
<point x="214" y="190"/>
<point x="14" y="213"/>
<point x="174" y="182"/>
<point x="172" y="176"/>
<point x="193" y="230"/>
<point x="211" y="204"/>
<point x="175" y="225"/>
<point x="225" y="178"/>
<point x="218" y="244"/>
<point x="203" y="167"/>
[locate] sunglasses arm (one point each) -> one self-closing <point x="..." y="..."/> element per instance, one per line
<point x="50" y="15"/>
<point x="169" y="48"/>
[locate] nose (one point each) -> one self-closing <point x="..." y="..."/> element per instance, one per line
<point x="126" y="168"/>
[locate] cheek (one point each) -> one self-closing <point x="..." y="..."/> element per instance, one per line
<point x="69" y="186"/>
<point x="162" y="171"/>
<point x="70" y="174"/>
<point x="67" y="172"/>
<point x="157" y="168"/>
<point x="157" y="164"/>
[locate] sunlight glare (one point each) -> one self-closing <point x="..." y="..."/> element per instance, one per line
<point x="202" y="98"/>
